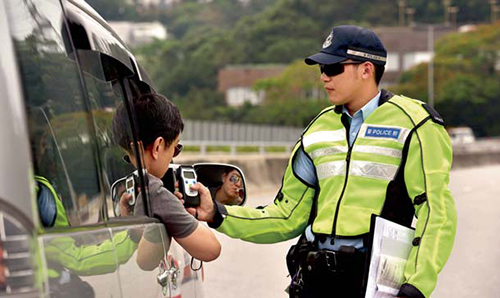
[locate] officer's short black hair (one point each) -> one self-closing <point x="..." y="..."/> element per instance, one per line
<point x="379" y="72"/>
<point x="156" y="116"/>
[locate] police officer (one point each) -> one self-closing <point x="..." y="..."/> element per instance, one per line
<point x="372" y="152"/>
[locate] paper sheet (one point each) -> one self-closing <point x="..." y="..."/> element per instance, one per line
<point x="392" y="244"/>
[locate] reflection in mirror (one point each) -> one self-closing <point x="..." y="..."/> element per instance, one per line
<point x="123" y="197"/>
<point x="225" y="182"/>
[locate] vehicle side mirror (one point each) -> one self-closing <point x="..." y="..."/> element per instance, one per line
<point x="117" y="190"/>
<point x="226" y="182"/>
<point x="127" y="184"/>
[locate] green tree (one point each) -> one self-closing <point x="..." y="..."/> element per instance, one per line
<point x="467" y="76"/>
<point x="208" y="36"/>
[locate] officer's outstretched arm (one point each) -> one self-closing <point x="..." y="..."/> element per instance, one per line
<point x="91" y="259"/>
<point x="283" y="219"/>
<point x="427" y="177"/>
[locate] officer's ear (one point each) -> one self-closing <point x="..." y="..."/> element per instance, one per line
<point x="367" y="70"/>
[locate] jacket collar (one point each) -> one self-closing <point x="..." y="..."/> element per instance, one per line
<point x="384" y="97"/>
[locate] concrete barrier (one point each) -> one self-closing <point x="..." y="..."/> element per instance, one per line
<point x="266" y="170"/>
<point x="261" y="171"/>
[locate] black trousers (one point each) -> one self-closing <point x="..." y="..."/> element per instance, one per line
<point x="340" y="279"/>
<point x="345" y="285"/>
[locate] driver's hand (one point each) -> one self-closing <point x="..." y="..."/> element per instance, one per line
<point x="124" y="206"/>
<point x="177" y="193"/>
<point x="206" y="210"/>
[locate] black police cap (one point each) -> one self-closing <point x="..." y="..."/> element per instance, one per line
<point x="350" y="42"/>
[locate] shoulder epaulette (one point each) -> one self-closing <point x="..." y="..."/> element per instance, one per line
<point x="434" y="114"/>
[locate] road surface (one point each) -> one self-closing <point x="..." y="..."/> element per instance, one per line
<point x="247" y="270"/>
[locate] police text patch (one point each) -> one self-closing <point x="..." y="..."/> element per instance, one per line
<point x="382" y="132"/>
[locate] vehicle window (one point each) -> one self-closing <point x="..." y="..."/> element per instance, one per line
<point x="61" y="133"/>
<point x="105" y="97"/>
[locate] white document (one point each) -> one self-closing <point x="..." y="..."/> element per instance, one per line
<point x="392" y="244"/>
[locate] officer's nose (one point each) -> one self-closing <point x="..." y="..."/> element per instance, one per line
<point x="324" y="77"/>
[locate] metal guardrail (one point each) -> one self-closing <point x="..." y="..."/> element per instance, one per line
<point x="210" y="131"/>
<point x="233" y="146"/>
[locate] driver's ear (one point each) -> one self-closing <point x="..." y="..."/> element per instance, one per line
<point x="157" y="146"/>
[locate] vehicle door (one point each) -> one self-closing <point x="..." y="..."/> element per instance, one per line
<point x="111" y="78"/>
<point x="77" y="250"/>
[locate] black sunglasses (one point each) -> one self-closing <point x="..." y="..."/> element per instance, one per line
<point x="332" y="70"/>
<point x="177" y="151"/>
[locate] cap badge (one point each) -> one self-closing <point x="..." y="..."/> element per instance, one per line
<point x="328" y="41"/>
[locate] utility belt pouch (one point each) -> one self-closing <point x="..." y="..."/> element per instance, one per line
<point x="297" y="255"/>
<point x="295" y="261"/>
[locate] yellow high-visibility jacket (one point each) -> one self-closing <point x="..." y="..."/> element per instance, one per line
<point x="356" y="181"/>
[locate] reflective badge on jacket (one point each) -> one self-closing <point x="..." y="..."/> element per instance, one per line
<point x="382" y="132"/>
<point x="386" y="132"/>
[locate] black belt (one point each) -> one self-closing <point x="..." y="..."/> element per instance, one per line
<point x="340" y="261"/>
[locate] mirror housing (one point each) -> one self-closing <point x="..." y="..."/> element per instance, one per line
<point x="214" y="176"/>
<point x="226" y="182"/>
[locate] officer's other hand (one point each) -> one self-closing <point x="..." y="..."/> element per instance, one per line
<point x="124" y="204"/>
<point x="206" y="210"/>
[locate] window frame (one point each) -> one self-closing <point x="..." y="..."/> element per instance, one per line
<point x="123" y="75"/>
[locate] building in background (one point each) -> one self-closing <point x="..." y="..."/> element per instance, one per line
<point x="406" y="47"/>
<point x="236" y="82"/>
<point x="136" y="34"/>
<point x="165" y="4"/>
<point x="153" y="4"/>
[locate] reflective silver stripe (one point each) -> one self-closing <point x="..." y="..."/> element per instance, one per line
<point x="328" y="151"/>
<point x="398" y="153"/>
<point x="372" y="170"/>
<point x="366" y="55"/>
<point x="324" y="136"/>
<point x="329" y="169"/>
<point x="403" y="133"/>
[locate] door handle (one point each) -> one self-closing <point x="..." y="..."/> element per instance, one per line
<point x="167" y="276"/>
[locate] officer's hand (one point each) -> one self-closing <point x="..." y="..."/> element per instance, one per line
<point x="206" y="210"/>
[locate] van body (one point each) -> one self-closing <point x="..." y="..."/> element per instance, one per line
<point x="63" y="72"/>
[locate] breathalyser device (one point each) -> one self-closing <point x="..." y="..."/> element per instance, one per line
<point x="130" y="187"/>
<point x="186" y="176"/>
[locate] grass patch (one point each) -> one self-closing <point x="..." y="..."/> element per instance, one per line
<point x="191" y="148"/>
<point x="218" y="149"/>
<point x="244" y="149"/>
<point x="276" y="149"/>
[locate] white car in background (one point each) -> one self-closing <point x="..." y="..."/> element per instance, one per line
<point x="461" y="135"/>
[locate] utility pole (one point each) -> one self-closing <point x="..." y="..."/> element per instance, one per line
<point x="430" y="69"/>
<point x="453" y="10"/>
<point x="410" y="11"/>
<point x="446" y="4"/>
<point x="401" y="4"/>
<point x="494" y="9"/>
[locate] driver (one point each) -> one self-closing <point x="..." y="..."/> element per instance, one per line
<point x="231" y="190"/>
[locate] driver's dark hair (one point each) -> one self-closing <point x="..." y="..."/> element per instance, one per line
<point x="156" y="116"/>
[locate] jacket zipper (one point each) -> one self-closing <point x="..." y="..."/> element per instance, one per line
<point x="348" y="162"/>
